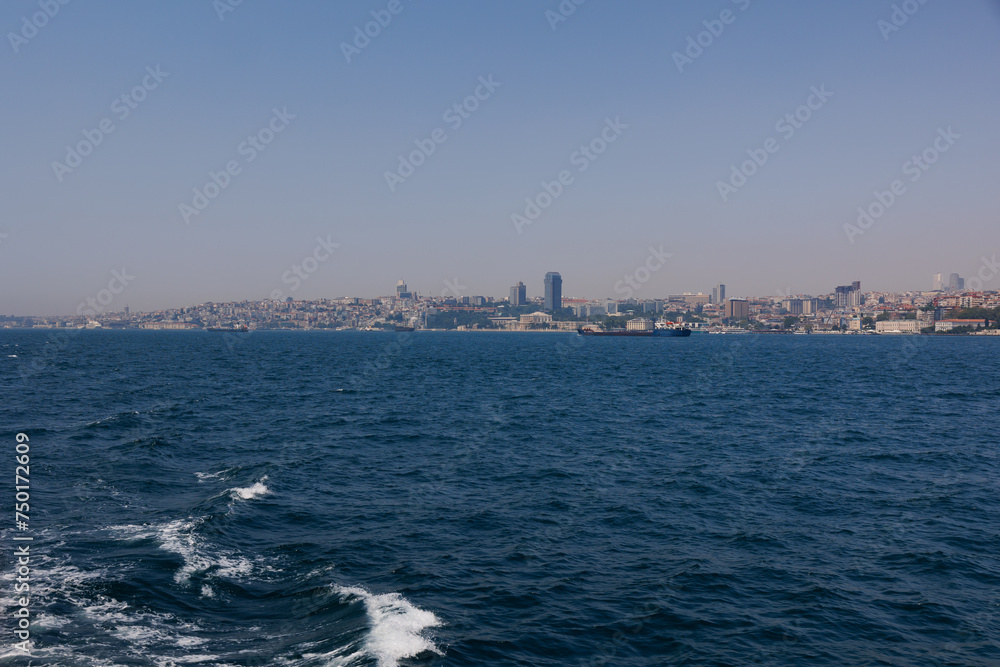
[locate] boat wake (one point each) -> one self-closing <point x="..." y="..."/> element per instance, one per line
<point x="395" y="631"/>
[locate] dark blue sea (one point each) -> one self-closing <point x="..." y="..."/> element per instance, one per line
<point x="382" y="499"/>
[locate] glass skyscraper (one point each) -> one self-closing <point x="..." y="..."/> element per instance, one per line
<point x="553" y="291"/>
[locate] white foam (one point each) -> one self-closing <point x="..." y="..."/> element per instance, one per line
<point x="395" y="627"/>
<point x="180" y="537"/>
<point x="250" y="492"/>
<point x="144" y="635"/>
<point x="176" y="537"/>
<point x="222" y="474"/>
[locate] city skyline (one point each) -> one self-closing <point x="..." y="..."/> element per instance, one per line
<point x="843" y="297"/>
<point x="207" y="168"/>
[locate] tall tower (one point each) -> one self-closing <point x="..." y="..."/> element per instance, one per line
<point x="553" y="291"/>
<point x="518" y="294"/>
<point x="937" y="281"/>
<point x="719" y="293"/>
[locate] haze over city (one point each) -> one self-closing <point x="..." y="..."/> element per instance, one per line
<point x="617" y="114"/>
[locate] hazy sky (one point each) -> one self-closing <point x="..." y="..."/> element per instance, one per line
<point x="197" y="86"/>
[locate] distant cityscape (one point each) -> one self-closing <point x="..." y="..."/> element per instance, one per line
<point x="946" y="308"/>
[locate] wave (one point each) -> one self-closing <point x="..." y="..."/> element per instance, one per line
<point x="202" y="476"/>
<point x="180" y="537"/>
<point x="396" y="628"/>
<point x="225" y="474"/>
<point x="256" y="490"/>
<point x="115" y="418"/>
<point x="370" y="629"/>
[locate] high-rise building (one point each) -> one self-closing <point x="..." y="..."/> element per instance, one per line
<point x="848" y="296"/>
<point x="937" y="282"/>
<point x="737" y="309"/>
<point x="793" y="306"/>
<point x="401" y="292"/>
<point x="718" y="293"/>
<point x="553" y="291"/>
<point x="518" y="294"/>
<point x="953" y="281"/>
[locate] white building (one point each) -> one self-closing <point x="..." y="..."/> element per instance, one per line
<point x="948" y="325"/>
<point x="900" y="326"/>
<point x="536" y="318"/>
<point x="639" y="324"/>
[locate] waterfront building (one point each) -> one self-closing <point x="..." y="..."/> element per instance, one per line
<point x="948" y="325"/>
<point x="536" y="318"/>
<point x="639" y="324"/>
<point x="900" y="326"/>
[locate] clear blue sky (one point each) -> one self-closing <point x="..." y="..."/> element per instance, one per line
<point x="324" y="174"/>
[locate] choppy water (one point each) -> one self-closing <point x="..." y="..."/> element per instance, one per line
<point x="497" y="499"/>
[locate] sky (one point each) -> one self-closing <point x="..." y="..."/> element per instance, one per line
<point x="198" y="150"/>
